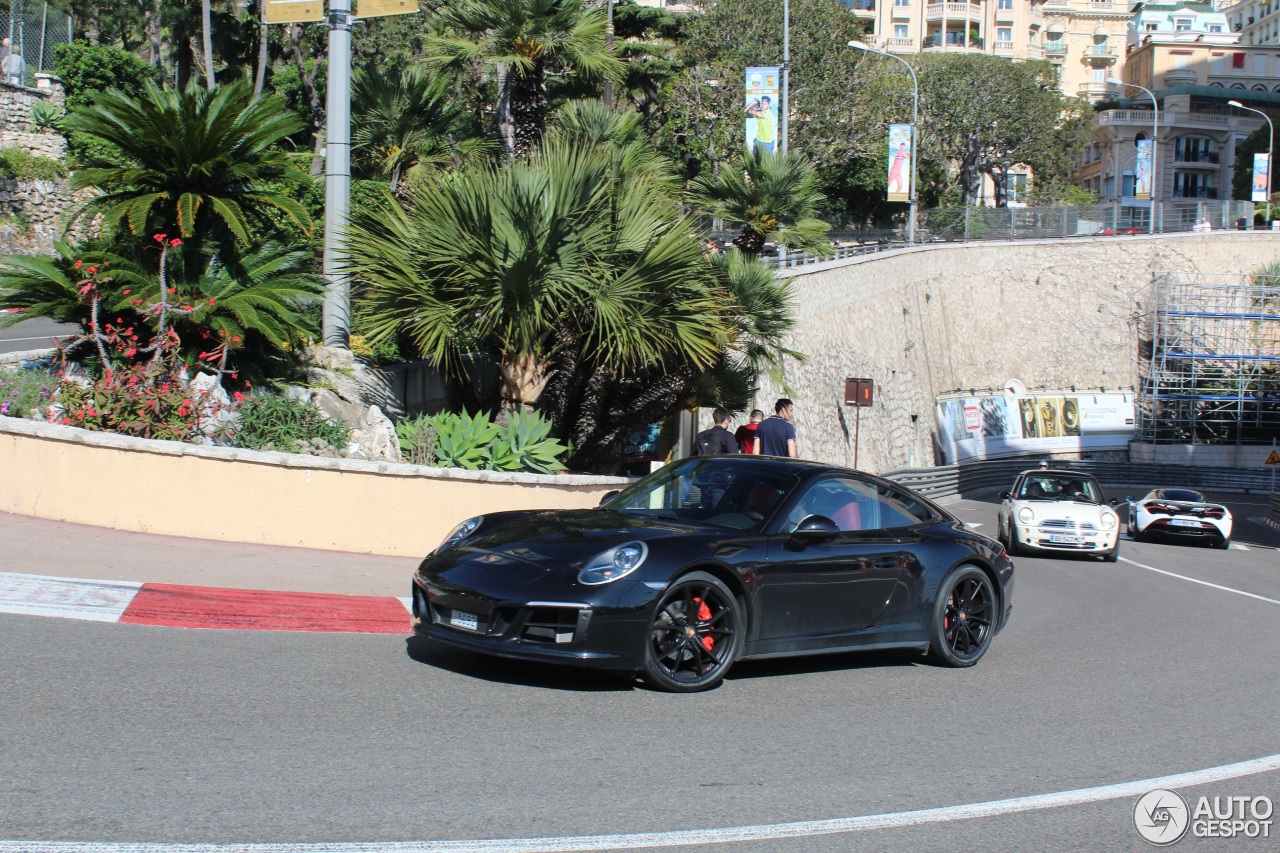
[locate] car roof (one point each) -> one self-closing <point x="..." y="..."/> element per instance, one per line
<point x="1058" y="472"/>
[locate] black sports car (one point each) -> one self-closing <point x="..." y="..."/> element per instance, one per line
<point x="715" y="559"/>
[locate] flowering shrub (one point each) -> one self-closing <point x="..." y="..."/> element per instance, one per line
<point x="134" y="402"/>
<point x="25" y="390"/>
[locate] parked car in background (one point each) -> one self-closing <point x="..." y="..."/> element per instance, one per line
<point x="714" y="559"/>
<point x="1048" y="510"/>
<point x="1179" y="514"/>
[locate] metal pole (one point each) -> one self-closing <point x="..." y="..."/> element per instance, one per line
<point x="608" y="40"/>
<point x="337" y="177"/>
<point x="786" y="73"/>
<point x="1155" y="133"/>
<point x="44" y="28"/>
<point x="912" y="201"/>
<point x="857" y="426"/>
<point x="1271" y="142"/>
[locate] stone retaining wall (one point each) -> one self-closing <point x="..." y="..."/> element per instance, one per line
<point x="920" y="322"/>
<point x="235" y="495"/>
<point x="39" y="207"/>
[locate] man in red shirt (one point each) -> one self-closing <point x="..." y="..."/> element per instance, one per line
<point x="746" y="434"/>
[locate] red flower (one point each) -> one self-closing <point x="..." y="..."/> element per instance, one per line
<point x="127" y="292"/>
<point x="175" y="242"/>
<point x="213" y="302"/>
<point x="173" y="290"/>
<point x="235" y="339"/>
<point x="79" y="264"/>
<point x="130" y="352"/>
<point x="236" y="395"/>
<point x="160" y="237"/>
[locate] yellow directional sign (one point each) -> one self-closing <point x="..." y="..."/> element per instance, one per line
<point x="1273" y="459"/>
<point x="382" y="8"/>
<point x="294" y="11"/>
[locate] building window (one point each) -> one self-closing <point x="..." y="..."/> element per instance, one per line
<point x="899" y="31"/>
<point x="1215" y="28"/>
<point x="1004" y="34"/>
<point x="1109" y="187"/>
<point x="1127" y="184"/>
<point x="1182" y="25"/>
<point x="1150" y="27"/>
<point x="902" y="2"/>
<point x="1005" y="4"/>
<point x="1015" y="189"/>
<point x="1194" y="149"/>
<point x="1237" y="61"/>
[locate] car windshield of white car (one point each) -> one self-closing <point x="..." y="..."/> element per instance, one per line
<point x="1051" y="488"/>
<point x="1182" y="495"/>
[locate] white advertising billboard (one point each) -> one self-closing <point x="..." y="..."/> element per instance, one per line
<point x="980" y="426"/>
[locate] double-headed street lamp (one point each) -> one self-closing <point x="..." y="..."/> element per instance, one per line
<point x="1271" y="141"/>
<point x="915" y="147"/>
<point x="1155" y="132"/>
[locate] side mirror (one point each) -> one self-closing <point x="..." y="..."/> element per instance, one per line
<point x="608" y="496"/>
<point x="815" y="528"/>
<point x="1004" y="496"/>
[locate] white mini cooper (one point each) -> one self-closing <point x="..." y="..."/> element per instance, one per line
<point x="1051" y="510"/>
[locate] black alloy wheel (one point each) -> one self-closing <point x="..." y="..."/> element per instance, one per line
<point x="694" y="636"/>
<point x="964" y="618"/>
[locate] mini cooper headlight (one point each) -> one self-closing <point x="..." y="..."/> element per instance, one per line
<point x="613" y="564"/>
<point x="1026" y="515"/>
<point x="1109" y="520"/>
<point x="462" y="531"/>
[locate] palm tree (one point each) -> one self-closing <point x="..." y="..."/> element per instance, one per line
<point x="770" y="195"/>
<point x="409" y="122"/>
<point x="524" y="40"/>
<point x="201" y="165"/>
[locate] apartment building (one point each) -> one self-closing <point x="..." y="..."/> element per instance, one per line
<point x="1257" y="21"/>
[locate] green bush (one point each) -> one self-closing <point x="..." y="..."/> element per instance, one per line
<point x="461" y="441"/>
<point x="133" y="402"/>
<point x="25" y="390"/>
<point x="16" y="163"/>
<point x="87" y="69"/>
<point x="273" y="422"/>
<point x="46" y="117"/>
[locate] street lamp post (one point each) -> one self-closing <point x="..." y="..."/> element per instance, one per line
<point x="786" y="74"/>
<point x="1271" y="141"/>
<point x="1155" y="132"/>
<point x="915" y="146"/>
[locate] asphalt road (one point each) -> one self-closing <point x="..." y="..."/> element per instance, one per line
<point x="33" y="334"/>
<point x="1108" y="673"/>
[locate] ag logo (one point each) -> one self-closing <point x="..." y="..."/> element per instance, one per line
<point x="1161" y="816"/>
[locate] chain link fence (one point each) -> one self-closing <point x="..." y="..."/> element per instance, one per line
<point x="32" y="30"/>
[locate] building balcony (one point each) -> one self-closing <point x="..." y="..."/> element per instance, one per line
<point x="900" y="45"/>
<point x="1005" y="16"/>
<point x="1197" y="160"/>
<point x="1002" y="48"/>
<point x="863" y="8"/>
<point x="952" y="41"/>
<point x="1198" y="193"/>
<point x="938" y="11"/>
<point x="1101" y="54"/>
<point x="1034" y="51"/>
<point x="901" y="12"/>
<point x="1093" y="91"/>
<point x="1055" y="48"/>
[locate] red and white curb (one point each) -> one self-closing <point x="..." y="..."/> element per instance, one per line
<point x="177" y="606"/>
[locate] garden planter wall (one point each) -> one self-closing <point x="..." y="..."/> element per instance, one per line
<point x="68" y="474"/>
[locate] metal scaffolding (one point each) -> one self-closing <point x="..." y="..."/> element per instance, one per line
<point x="1209" y="360"/>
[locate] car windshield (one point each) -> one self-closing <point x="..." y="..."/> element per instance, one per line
<point x="1055" y="487"/>
<point x="1181" y="495"/>
<point x="722" y="492"/>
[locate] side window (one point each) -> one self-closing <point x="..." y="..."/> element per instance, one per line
<point x="898" y="509"/>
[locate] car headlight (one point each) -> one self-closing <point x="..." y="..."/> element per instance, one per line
<point x="1109" y="520"/>
<point x="613" y="564"/>
<point x="462" y="531"/>
<point x="1026" y="515"/>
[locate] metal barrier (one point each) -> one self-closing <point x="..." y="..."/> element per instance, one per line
<point x="981" y="479"/>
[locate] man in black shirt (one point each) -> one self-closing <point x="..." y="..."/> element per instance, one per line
<point x="718" y="439"/>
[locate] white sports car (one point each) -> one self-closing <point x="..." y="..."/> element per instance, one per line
<point x="1179" y="514"/>
<point x="1058" y="511"/>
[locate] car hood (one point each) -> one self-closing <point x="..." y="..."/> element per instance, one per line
<point x="533" y="543"/>
<point x="1062" y="509"/>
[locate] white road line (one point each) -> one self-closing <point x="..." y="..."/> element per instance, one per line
<point x="1197" y="580"/>
<point x="408" y="604"/>
<point x="71" y="598"/>
<point x="765" y="832"/>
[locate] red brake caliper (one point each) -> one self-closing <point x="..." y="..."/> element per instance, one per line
<point x="946" y="618"/>
<point x="704" y="615"/>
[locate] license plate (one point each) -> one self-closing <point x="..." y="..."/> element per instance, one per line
<point x="1066" y="540"/>
<point x="1182" y="522"/>
<point x="465" y="621"/>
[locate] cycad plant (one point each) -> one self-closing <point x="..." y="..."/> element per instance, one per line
<point x="203" y="166"/>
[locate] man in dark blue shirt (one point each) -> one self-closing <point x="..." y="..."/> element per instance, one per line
<point x="776" y="436"/>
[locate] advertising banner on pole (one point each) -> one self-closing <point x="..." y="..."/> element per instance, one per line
<point x="762" y="108"/>
<point x="1142" y="171"/>
<point x="294" y="11"/>
<point x="1261" y="176"/>
<point x="900" y="155"/>
<point x="988" y="425"/>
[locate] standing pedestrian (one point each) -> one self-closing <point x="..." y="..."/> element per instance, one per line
<point x="14" y="68"/>
<point x="717" y="439"/>
<point x="776" y="436"/>
<point x="6" y="47"/>
<point x="746" y="434"/>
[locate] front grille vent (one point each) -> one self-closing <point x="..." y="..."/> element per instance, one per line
<point x="551" y="624"/>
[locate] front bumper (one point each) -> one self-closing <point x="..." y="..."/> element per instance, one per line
<point x="1079" y="540"/>
<point x="576" y="633"/>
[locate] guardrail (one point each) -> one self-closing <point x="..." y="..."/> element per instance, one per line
<point x="979" y="479"/>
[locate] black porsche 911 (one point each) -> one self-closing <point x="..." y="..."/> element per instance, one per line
<point x="716" y="559"/>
